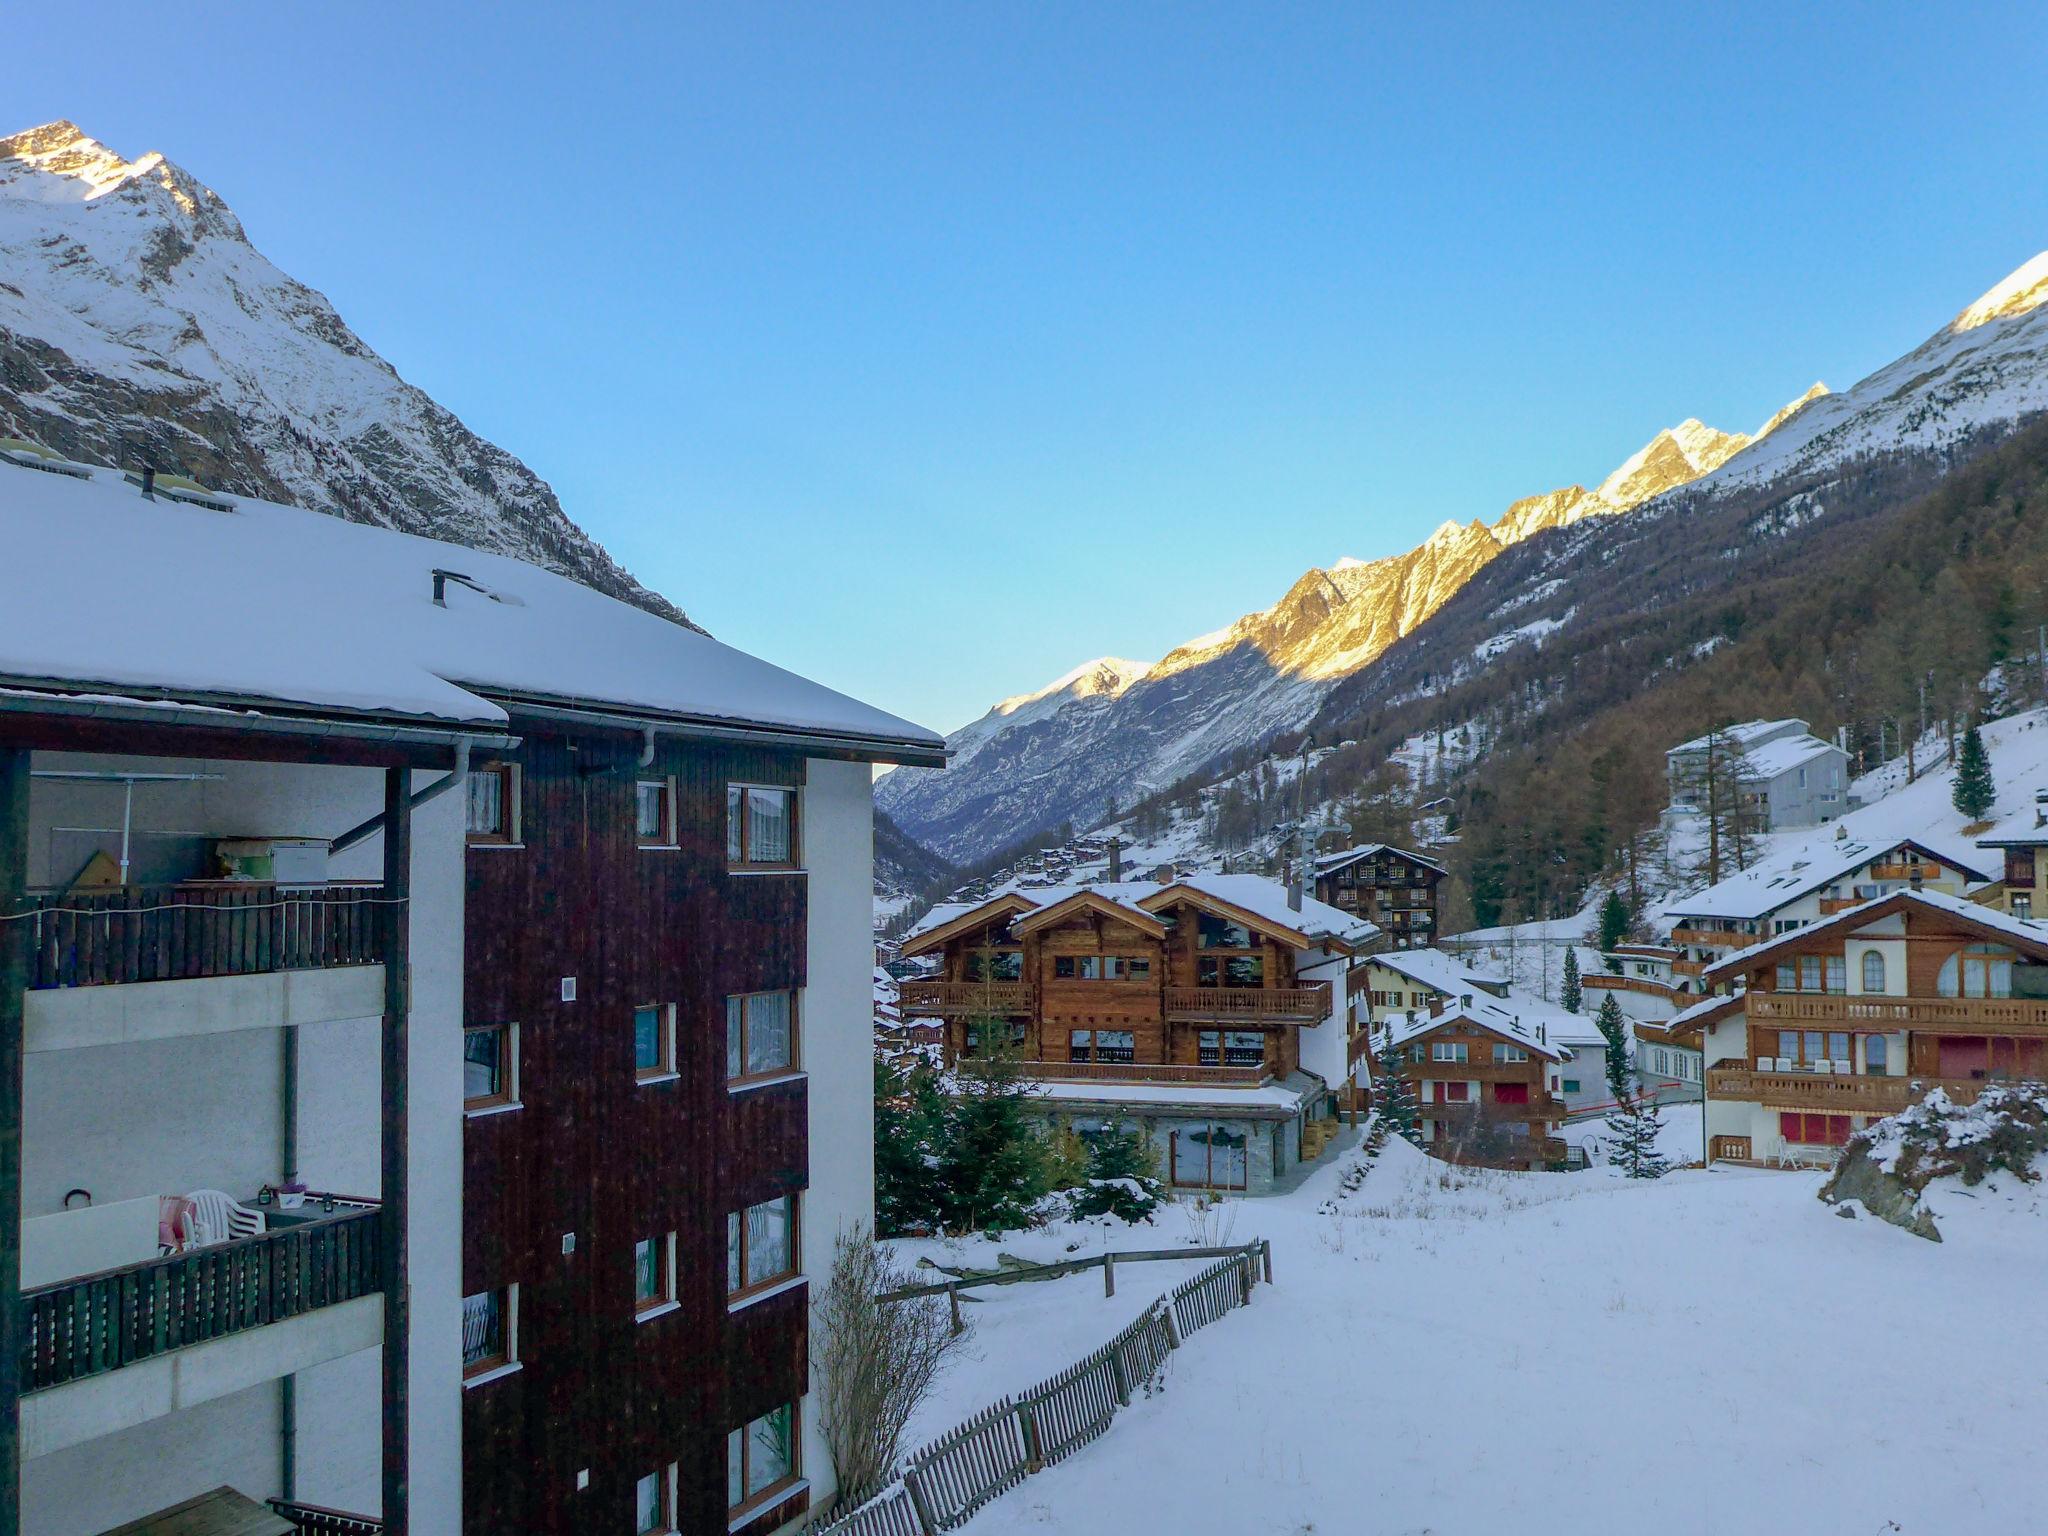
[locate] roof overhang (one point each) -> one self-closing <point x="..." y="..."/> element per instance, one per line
<point x="908" y="752"/>
<point x="1743" y="961"/>
<point x="1006" y="905"/>
<point x="1101" y="906"/>
<point x="1173" y="895"/>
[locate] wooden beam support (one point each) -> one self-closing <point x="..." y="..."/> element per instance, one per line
<point x="396" y="1148"/>
<point x="14" y="783"/>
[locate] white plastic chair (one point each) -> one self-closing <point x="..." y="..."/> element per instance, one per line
<point x="217" y="1217"/>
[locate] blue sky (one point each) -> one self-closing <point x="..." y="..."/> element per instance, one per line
<point x="930" y="349"/>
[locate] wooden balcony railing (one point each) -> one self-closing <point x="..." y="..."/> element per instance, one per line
<point x="963" y="999"/>
<point x="99" y="1323"/>
<point x="1229" y="1005"/>
<point x="325" y="1522"/>
<point x="1715" y="938"/>
<point x="1969" y="1013"/>
<point x="1146" y="1072"/>
<point x="1822" y="1090"/>
<point x="179" y="932"/>
<point x="1688" y="967"/>
<point x="1926" y="872"/>
<point x="1650" y="987"/>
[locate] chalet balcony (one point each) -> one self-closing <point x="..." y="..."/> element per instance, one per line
<point x="1128" y="1073"/>
<point x="1715" y="938"/>
<point x="99" y="1323"/>
<point x="198" y="929"/>
<point x="963" y="999"/>
<point x="2002" y="1015"/>
<point x="1249" y="1005"/>
<point x="1648" y="986"/>
<point x="1821" y="1090"/>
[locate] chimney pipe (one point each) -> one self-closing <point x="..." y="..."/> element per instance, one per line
<point x="1913" y="875"/>
<point x="148" y="483"/>
<point x="1116" y="859"/>
<point x="1294" y="892"/>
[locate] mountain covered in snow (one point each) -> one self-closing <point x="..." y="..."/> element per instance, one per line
<point x="1112" y="730"/>
<point x="138" y="325"/>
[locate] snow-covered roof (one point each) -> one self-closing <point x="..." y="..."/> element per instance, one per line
<point x="1744" y="735"/>
<point x="1519" y="1020"/>
<point x="1705" y="1011"/>
<point x="1437" y="970"/>
<point x="1255" y="895"/>
<point x="1329" y="862"/>
<point x="106" y="591"/>
<point x="2029" y="829"/>
<point x="1820" y="860"/>
<point x="1775" y="758"/>
<point x="2032" y="934"/>
<point x="1274" y="1095"/>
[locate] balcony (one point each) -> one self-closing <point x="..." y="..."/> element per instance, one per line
<point x="2005" y="1015"/>
<point x="1926" y="872"/>
<point x="1715" y="938"/>
<point x="1594" y="981"/>
<point x="1820" y="1090"/>
<point x="198" y="929"/>
<point x="1248" y="1005"/>
<point x="102" y="1322"/>
<point x="1128" y="1073"/>
<point x="325" y="1522"/>
<point x="963" y="999"/>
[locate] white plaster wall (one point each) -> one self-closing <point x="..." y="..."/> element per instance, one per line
<point x="1894" y="952"/>
<point x="120" y="1477"/>
<point x="838" y="822"/>
<point x="1323" y="1046"/>
<point x="340" y="1442"/>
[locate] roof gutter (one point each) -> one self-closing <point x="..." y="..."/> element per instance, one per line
<point x="916" y="754"/>
<point x="254" y="719"/>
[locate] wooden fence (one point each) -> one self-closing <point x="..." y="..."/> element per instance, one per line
<point x="945" y="1483"/>
<point x="177" y="933"/>
<point x="99" y="1323"/>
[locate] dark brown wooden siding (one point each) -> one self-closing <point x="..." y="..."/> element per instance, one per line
<point x="596" y="1154"/>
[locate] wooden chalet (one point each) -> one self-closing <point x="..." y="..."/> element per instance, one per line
<point x="1392" y="888"/>
<point x="1132" y="1002"/>
<point x="1861" y="1014"/>
<point x="1487" y="1083"/>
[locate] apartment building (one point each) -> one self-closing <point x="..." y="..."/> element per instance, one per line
<point x="1488" y="1082"/>
<point x="435" y="1023"/>
<point x="1858" y="1014"/>
<point x="1397" y="982"/>
<point x="1208" y="1012"/>
<point x="1392" y="888"/>
<point x="1785" y="776"/>
<point x="2022" y="843"/>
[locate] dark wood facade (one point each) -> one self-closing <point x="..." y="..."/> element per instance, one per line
<point x="1514" y="1098"/>
<point x="596" y="1153"/>
<point x="1389" y="887"/>
<point x="1191" y="984"/>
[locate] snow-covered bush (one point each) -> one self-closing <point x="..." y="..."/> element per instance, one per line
<point x="1889" y="1165"/>
<point x="1122" y="1179"/>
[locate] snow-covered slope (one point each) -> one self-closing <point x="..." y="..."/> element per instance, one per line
<point x="139" y="325"/>
<point x="1987" y="367"/>
<point x="1110" y="731"/>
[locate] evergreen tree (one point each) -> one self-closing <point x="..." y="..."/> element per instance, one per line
<point x="1123" y="1178"/>
<point x="1614" y="921"/>
<point x="992" y="1161"/>
<point x="1574" y="994"/>
<point x="1393" y="1095"/>
<point x="1635" y="1130"/>
<point x="910" y="1120"/>
<point x="1975" y="789"/>
<point x="1613" y="1029"/>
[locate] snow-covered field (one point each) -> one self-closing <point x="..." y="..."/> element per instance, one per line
<point x="1461" y="1351"/>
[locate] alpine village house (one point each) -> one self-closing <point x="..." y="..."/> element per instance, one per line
<point x="434" y="1034"/>
<point x="1209" y="1012"/>
<point x="1389" y="887"/>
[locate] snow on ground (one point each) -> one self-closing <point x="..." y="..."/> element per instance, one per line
<point x="1460" y="1351"/>
<point x="1022" y="1333"/>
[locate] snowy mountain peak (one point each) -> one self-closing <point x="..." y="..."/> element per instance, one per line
<point x="2021" y="290"/>
<point x="1109" y="675"/>
<point x="139" y="325"/>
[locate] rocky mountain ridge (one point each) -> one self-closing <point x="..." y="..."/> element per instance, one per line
<point x="139" y="325"/>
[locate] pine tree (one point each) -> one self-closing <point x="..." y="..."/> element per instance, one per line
<point x="991" y="1162"/>
<point x="910" y="1120"/>
<point x="1574" y="994"/>
<point x="1613" y="1029"/>
<point x="1635" y="1130"/>
<point x="1123" y="1175"/>
<point x="1614" y="921"/>
<point x="1975" y="789"/>
<point x="1393" y="1095"/>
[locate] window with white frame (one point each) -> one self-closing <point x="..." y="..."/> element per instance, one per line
<point x="1510" y="1053"/>
<point x="654" y="813"/>
<point x="494" y="803"/>
<point x="1449" y="1050"/>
